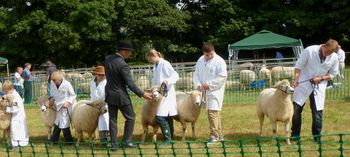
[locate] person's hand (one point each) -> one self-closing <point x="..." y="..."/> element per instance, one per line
<point x="205" y="86"/>
<point x="296" y="83"/>
<point x="316" y="80"/>
<point x="51" y="101"/>
<point x="66" y="105"/>
<point x="165" y="82"/>
<point x="147" y="96"/>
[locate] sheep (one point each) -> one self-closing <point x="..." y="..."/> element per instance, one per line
<point x="265" y="74"/>
<point x="276" y="104"/>
<point x="246" y="66"/>
<point x="5" y="118"/>
<point x="188" y="108"/>
<point x="48" y="113"/>
<point x="184" y="83"/>
<point x="232" y="84"/>
<point x="143" y="82"/>
<point x="281" y="72"/>
<point x="148" y="113"/>
<point x="246" y="77"/>
<point x="85" y="117"/>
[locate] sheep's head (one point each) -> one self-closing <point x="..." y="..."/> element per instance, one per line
<point x="44" y="103"/>
<point x="196" y="97"/>
<point x="8" y="100"/>
<point x="100" y="105"/>
<point x="284" y="86"/>
<point x="155" y="92"/>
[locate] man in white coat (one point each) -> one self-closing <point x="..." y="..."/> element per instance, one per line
<point x="19" y="131"/>
<point x="316" y="65"/>
<point x="164" y="75"/>
<point x="210" y="77"/>
<point x="97" y="92"/>
<point x="63" y="97"/>
<point x="341" y="58"/>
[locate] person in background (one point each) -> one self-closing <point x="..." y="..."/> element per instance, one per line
<point x="97" y="92"/>
<point x="50" y="69"/>
<point x="18" y="84"/>
<point x="117" y="97"/>
<point x="19" y="130"/>
<point x="341" y="57"/>
<point x="63" y="97"/>
<point x="28" y="83"/>
<point x="164" y="75"/>
<point x="316" y="65"/>
<point x="209" y="77"/>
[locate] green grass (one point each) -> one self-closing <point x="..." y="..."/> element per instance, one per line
<point x="239" y="122"/>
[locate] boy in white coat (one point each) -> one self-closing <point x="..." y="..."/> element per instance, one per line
<point x="97" y="92"/>
<point x="164" y="75"/>
<point x="210" y="77"/>
<point x="19" y="131"/>
<point x="63" y="97"/>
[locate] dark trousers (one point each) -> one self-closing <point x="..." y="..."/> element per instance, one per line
<point x="28" y="92"/>
<point x="167" y="126"/>
<point x="129" y="115"/>
<point x="316" y="118"/>
<point x="19" y="90"/>
<point x="56" y="135"/>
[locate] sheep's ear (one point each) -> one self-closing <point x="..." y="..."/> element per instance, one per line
<point x="276" y="85"/>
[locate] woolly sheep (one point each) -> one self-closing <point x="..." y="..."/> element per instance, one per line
<point x="148" y="113"/>
<point x="48" y="113"/>
<point x="143" y="82"/>
<point x="265" y="74"/>
<point x="276" y="104"/>
<point x="188" y="108"/>
<point x="184" y="83"/>
<point x="85" y="117"/>
<point x="246" y="66"/>
<point x="280" y="72"/>
<point x="5" y="118"/>
<point x="246" y="77"/>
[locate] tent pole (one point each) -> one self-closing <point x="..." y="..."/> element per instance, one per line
<point x="8" y="71"/>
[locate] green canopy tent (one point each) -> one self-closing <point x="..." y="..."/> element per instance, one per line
<point x="4" y="61"/>
<point x="264" y="39"/>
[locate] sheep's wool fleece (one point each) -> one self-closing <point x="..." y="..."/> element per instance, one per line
<point x="164" y="71"/>
<point x="310" y="66"/>
<point x="64" y="93"/>
<point x="213" y="72"/>
<point x="19" y="131"/>
<point x="96" y="93"/>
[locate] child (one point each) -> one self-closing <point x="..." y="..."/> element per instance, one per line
<point x="19" y="131"/>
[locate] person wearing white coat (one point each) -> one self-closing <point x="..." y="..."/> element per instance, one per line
<point x="19" y="131"/>
<point x="316" y="65"/>
<point x="210" y="77"/>
<point x="97" y="92"/>
<point x="64" y="98"/>
<point x="164" y="75"/>
<point x="341" y="58"/>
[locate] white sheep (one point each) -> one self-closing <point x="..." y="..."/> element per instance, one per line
<point x="48" y="113"/>
<point x="143" y="82"/>
<point x="184" y="83"/>
<point x="265" y="74"/>
<point x="5" y="118"/>
<point x="149" y="111"/>
<point x="246" y="66"/>
<point x="280" y="72"/>
<point x="276" y="104"/>
<point x="85" y="117"/>
<point x="188" y="109"/>
<point x="246" y="77"/>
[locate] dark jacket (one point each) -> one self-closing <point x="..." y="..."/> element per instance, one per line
<point x="118" y="78"/>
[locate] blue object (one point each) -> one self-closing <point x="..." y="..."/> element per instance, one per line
<point x="279" y="56"/>
<point x="257" y="84"/>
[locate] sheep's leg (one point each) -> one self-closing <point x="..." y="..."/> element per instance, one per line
<point x="48" y="132"/>
<point x="274" y="128"/>
<point x="286" y="129"/>
<point x="261" y="120"/>
<point x="184" y="130"/>
<point x="155" y="130"/>
<point x="145" y="132"/>
<point x="193" y="129"/>
<point x="80" y="136"/>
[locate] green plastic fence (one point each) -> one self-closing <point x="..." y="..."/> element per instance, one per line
<point x="330" y="145"/>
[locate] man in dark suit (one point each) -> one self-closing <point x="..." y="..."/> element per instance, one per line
<point x="118" y="78"/>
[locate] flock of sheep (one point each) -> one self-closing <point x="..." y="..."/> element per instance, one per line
<point x="275" y="103"/>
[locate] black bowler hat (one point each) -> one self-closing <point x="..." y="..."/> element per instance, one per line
<point x="125" y="45"/>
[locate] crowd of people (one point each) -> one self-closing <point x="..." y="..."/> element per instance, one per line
<point x="317" y="63"/>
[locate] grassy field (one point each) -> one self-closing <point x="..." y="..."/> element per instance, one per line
<point x="239" y="122"/>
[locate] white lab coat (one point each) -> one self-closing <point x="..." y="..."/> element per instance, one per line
<point x="19" y="131"/>
<point x="64" y="93"/>
<point x="164" y="71"/>
<point x="213" y="73"/>
<point x="98" y="93"/>
<point x="310" y="66"/>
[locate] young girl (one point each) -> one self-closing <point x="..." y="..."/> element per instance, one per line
<point x="19" y="131"/>
<point x="164" y="73"/>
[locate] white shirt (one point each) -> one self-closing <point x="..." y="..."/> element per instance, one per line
<point x="19" y="131"/>
<point x="164" y="71"/>
<point x="212" y="72"/>
<point x="341" y="56"/>
<point x="18" y="80"/>
<point x="98" y="93"/>
<point x="64" y="93"/>
<point x="310" y="66"/>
